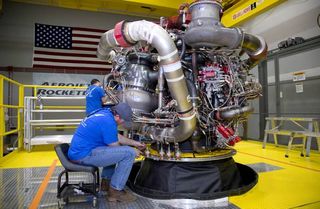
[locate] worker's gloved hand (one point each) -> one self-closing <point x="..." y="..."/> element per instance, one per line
<point x="140" y="146"/>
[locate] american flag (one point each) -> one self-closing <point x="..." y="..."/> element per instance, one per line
<point x="60" y="47"/>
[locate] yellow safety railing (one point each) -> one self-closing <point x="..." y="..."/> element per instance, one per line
<point x="62" y="107"/>
<point x="19" y="109"/>
<point x="20" y="106"/>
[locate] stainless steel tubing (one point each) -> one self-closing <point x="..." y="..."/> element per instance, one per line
<point x="160" y="88"/>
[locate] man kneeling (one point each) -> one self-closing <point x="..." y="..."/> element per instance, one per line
<point x="97" y="142"/>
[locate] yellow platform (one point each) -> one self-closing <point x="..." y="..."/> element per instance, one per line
<point x="295" y="186"/>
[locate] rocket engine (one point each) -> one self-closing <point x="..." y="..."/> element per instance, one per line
<point x="185" y="78"/>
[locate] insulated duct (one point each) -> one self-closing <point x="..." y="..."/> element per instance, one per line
<point x="126" y="34"/>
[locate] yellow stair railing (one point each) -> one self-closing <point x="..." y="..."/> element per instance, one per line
<point x="20" y="116"/>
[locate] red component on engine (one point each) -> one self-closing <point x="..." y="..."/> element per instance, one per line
<point x="118" y="34"/>
<point x="173" y="22"/>
<point x="184" y="17"/>
<point x="225" y="69"/>
<point x="177" y="21"/>
<point x="223" y="131"/>
<point x="230" y="130"/>
<point x="237" y="139"/>
<point x="228" y="133"/>
<point x="209" y="74"/>
<point x="232" y="143"/>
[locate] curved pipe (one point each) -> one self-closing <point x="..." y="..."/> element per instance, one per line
<point x="183" y="46"/>
<point x="106" y="44"/>
<point x="255" y="47"/>
<point x="232" y="113"/>
<point x="107" y="79"/>
<point x="126" y="34"/>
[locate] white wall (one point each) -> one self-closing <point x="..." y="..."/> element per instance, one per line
<point x="17" y="27"/>
<point x="290" y="19"/>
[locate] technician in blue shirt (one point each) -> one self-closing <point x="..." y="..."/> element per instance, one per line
<point x="95" y="96"/>
<point x="97" y="142"/>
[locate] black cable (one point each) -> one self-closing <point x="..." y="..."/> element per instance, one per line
<point x="183" y="47"/>
<point x="318" y="20"/>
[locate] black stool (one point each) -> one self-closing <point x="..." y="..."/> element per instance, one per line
<point x="66" y="190"/>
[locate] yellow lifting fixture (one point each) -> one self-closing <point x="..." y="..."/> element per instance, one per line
<point x="236" y="11"/>
<point x="247" y="9"/>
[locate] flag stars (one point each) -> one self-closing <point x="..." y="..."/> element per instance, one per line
<point x="53" y="36"/>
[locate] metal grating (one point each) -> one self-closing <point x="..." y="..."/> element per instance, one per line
<point x="19" y="186"/>
<point x="49" y="199"/>
<point x="263" y="167"/>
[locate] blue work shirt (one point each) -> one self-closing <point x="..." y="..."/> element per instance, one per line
<point x="93" y="98"/>
<point x="99" y="129"/>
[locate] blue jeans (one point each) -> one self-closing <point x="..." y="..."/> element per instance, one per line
<point x="116" y="161"/>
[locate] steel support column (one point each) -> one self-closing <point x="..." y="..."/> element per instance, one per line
<point x="263" y="101"/>
<point x="2" y="122"/>
<point x="277" y="85"/>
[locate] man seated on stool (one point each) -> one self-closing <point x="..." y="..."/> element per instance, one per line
<point x="97" y="142"/>
<point x="95" y="96"/>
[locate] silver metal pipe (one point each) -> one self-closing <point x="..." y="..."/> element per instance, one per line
<point x="107" y="79"/>
<point x="160" y="88"/>
<point x="106" y="44"/>
<point x="157" y="37"/>
<point x="255" y="47"/>
<point x="232" y="113"/>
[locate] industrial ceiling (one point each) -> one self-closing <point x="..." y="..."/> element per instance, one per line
<point x="236" y="11"/>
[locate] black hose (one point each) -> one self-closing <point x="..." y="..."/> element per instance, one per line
<point x="192" y="88"/>
<point x="106" y="79"/>
<point x="183" y="47"/>
<point x="194" y="66"/>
